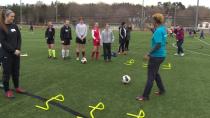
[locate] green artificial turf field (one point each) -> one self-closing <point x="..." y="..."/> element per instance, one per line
<point x="187" y="83"/>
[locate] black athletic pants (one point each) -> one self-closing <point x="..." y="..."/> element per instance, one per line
<point x="107" y="51"/>
<point x="127" y="45"/>
<point x="122" y="45"/>
<point x="153" y="75"/>
<point x="179" y="45"/>
<point x="11" y="67"/>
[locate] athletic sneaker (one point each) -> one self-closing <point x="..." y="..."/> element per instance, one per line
<point x="176" y="54"/>
<point x="1" y="85"/>
<point x="20" y="90"/>
<point x="9" y="94"/>
<point x="77" y="58"/>
<point x="182" y="54"/>
<point x="124" y="53"/>
<point x="158" y="93"/>
<point x="141" y="98"/>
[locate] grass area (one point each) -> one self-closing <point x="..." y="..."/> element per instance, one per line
<point x="187" y="83"/>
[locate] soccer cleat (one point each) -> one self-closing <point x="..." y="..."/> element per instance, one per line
<point x="141" y="98"/>
<point x="77" y="58"/>
<point x="182" y="54"/>
<point x="20" y="90"/>
<point x="9" y="94"/>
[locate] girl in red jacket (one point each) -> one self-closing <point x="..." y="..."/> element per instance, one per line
<point x="179" y="31"/>
<point x="96" y="35"/>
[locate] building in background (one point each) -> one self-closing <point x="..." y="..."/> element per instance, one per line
<point x="205" y="26"/>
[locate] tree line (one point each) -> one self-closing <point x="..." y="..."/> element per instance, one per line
<point x="40" y="13"/>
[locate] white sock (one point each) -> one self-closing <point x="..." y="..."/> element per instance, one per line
<point x="67" y="53"/>
<point x="63" y="53"/>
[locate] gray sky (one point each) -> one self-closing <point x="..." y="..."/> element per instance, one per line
<point x="147" y="2"/>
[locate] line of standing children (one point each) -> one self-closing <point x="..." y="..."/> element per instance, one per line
<point x="105" y="39"/>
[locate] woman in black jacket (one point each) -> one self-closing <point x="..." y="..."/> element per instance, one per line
<point x="122" y="38"/>
<point x="10" y="39"/>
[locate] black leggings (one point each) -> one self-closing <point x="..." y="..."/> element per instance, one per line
<point x="153" y="74"/>
<point x="11" y="67"/>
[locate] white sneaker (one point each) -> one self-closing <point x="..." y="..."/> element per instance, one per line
<point x="176" y="54"/>
<point x="77" y="58"/>
<point x="182" y="54"/>
<point x="1" y="85"/>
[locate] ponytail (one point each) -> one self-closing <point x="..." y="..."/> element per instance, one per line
<point x="3" y="14"/>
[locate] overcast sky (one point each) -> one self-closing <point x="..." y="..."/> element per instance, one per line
<point x="147" y="2"/>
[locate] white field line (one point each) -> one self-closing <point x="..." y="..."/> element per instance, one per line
<point x="194" y="52"/>
<point x="204" y="42"/>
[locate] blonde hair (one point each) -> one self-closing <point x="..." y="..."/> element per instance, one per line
<point x="49" y="23"/>
<point x="96" y="23"/>
<point x="81" y="18"/>
<point x="159" y="18"/>
<point x="66" y="20"/>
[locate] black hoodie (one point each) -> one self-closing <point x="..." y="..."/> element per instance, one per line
<point x="10" y="40"/>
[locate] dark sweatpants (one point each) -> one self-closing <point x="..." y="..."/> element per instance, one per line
<point x="179" y="45"/>
<point x="153" y="74"/>
<point x="11" y="67"/>
<point x="107" y="51"/>
<point x="202" y="37"/>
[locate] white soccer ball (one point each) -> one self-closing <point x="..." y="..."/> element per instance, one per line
<point x="84" y="60"/>
<point x="126" y="79"/>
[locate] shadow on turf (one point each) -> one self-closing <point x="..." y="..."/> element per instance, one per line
<point x="65" y="108"/>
